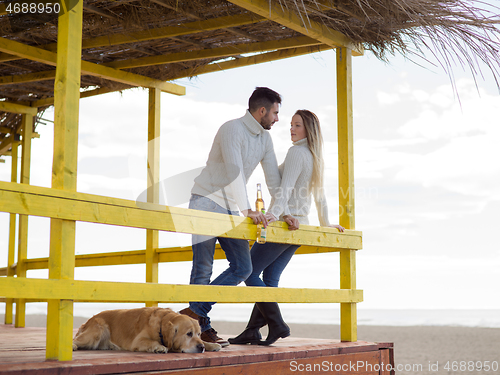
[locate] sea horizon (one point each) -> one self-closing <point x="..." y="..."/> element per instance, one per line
<point x="317" y="314"/>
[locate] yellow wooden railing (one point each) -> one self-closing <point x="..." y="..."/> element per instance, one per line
<point x="65" y="206"/>
<point x="27" y="200"/>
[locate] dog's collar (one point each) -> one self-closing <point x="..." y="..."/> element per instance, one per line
<point x="161" y="338"/>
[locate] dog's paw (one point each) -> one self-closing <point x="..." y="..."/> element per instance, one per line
<point x="211" y="346"/>
<point x="114" y="346"/>
<point x="75" y="347"/>
<point x="159" y="349"/>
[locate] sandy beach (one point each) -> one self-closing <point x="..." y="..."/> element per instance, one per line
<point x="418" y="349"/>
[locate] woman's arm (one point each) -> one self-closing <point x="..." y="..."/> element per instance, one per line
<point x="293" y="168"/>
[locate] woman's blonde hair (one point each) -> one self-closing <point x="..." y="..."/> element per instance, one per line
<point x="315" y="144"/>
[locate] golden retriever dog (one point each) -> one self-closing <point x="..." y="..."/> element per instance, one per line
<point x="147" y="329"/>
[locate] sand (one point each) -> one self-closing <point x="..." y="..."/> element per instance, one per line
<point x="418" y="349"/>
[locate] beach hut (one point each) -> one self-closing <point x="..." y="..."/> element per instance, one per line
<point x="54" y="53"/>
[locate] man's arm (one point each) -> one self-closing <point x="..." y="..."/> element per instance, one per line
<point x="230" y="142"/>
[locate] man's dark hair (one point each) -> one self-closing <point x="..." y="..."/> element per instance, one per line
<point x="263" y="97"/>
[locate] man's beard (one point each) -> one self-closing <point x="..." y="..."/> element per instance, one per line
<point x="266" y="125"/>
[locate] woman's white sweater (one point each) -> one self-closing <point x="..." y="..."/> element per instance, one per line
<point x="293" y="197"/>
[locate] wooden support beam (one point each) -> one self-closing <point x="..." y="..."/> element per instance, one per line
<point x="92" y="291"/>
<point x="348" y="314"/>
<point x="64" y="172"/>
<point x="345" y="138"/>
<point x="172" y="31"/>
<point x="6" y="144"/>
<point x="9" y="304"/>
<point x="153" y="34"/>
<point x="236" y="63"/>
<point x="100" y="12"/>
<point x="17" y="108"/>
<point x="153" y="178"/>
<point x="275" y="12"/>
<point x="221" y="52"/>
<point x="84" y="94"/>
<point x="253" y="60"/>
<point x="348" y="311"/>
<point x="31" y="77"/>
<point x="165" y="255"/>
<point x="45" y="202"/>
<point x="97" y="70"/>
<point x="22" y="244"/>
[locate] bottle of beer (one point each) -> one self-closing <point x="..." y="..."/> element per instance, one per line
<point x="259" y="206"/>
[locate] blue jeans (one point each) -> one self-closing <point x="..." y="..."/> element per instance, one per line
<point x="237" y="253"/>
<point x="270" y="259"/>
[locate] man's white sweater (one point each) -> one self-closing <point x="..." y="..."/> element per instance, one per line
<point x="238" y="147"/>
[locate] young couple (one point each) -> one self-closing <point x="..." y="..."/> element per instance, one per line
<point x="238" y="147"/>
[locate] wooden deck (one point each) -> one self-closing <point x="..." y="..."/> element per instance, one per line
<point x="22" y="351"/>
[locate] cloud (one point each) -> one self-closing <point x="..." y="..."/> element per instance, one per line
<point x="465" y="165"/>
<point x="464" y="162"/>
<point x="385" y="98"/>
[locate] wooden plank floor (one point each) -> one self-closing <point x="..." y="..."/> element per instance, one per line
<point x="22" y="351"/>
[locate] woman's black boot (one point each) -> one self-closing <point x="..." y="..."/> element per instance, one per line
<point x="277" y="326"/>
<point x="251" y="334"/>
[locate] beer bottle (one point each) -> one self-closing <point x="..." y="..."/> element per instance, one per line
<point x="259" y="206"/>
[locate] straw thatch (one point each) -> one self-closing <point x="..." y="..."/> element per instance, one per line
<point x="457" y="32"/>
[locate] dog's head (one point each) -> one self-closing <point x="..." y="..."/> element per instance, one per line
<point x="181" y="334"/>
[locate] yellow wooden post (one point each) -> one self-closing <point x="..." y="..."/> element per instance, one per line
<point x="22" y="244"/>
<point x="348" y="323"/>
<point x="153" y="169"/>
<point x="12" y="236"/>
<point x="64" y="168"/>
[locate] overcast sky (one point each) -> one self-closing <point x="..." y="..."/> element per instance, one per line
<point x="427" y="175"/>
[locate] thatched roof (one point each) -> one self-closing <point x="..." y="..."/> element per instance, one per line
<point x="169" y="39"/>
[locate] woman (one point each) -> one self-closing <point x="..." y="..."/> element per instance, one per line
<point x="301" y="177"/>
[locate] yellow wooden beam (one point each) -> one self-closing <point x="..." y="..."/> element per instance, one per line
<point x="6" y="144"/>
<point x="160" y="33"/>
<point x="348" y="310"/>
<point x="172" y="31"/>
<point x="97" y="70"/>
<point x="92" y="291"/>
<point x="348" y="313"/>
<point x="84" y="94"/>
<point x="22" y="244"/>
<point x="236" y="63"/>
<point x="274" y="11"/>
<point x="9" y="141"/>
<point x="345" y="138"/>
<point x="45" y="202"/>
<point x="212" y="53"/>
<point x="17" y="108"/>
<point x="24" y="78"/>
<point x="253" y="60"/>
<point x="153" y="178"/>
<point x="165" y="255"/>
<point x="64" y="172"/>
<point x="9" y="304"/>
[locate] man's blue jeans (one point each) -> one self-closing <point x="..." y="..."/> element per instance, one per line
<point x="270" y="259"/>
<point x="237" y="253"/>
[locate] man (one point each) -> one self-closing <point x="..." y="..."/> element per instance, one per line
<point x="238" y="147"/>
